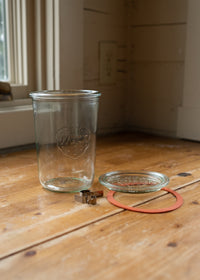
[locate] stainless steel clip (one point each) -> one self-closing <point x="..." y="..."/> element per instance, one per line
<point x="88" y="197"/>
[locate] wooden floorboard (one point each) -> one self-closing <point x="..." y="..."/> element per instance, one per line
<point x="31" y="215"/>
<point x="126" y="246"/>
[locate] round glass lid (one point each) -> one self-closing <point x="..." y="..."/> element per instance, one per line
<point x="134" y="181"/>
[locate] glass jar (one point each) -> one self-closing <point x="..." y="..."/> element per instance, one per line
<point x="65" y="133"/>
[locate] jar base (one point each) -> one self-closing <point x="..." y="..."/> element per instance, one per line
<point x="66" y="184"/>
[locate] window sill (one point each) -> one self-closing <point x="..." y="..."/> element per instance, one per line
<point x="15" y="103"/>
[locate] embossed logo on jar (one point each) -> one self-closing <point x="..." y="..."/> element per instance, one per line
<point x="73" y="142"/>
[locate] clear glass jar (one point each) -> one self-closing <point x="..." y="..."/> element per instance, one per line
<point x="65" y="133"/>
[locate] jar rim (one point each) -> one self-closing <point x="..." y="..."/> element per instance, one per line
<point x="70" y="93"/>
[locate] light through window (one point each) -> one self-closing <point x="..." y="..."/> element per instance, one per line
<point x="3" y="43"/>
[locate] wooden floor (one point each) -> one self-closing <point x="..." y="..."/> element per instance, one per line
<point x="46" y="235"/>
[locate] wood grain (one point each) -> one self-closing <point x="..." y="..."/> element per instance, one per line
<point x="31" y="215"/>
<point x="125" y="246"/>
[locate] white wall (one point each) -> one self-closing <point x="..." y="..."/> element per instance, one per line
<point x="105" y="20"/>
<point x="150" y="38"/>
<point x="189" y="111"/>
<point x="157" y="36"/>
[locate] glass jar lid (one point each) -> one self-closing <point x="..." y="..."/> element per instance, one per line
<point x="134" y="181"/>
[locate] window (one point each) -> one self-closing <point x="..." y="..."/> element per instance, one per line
<point x="3" y="43"/>
<point x="17" y="21"/>
<point x="44" y="51"/>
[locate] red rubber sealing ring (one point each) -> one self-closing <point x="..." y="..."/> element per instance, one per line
<point x="179" y="202"/>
